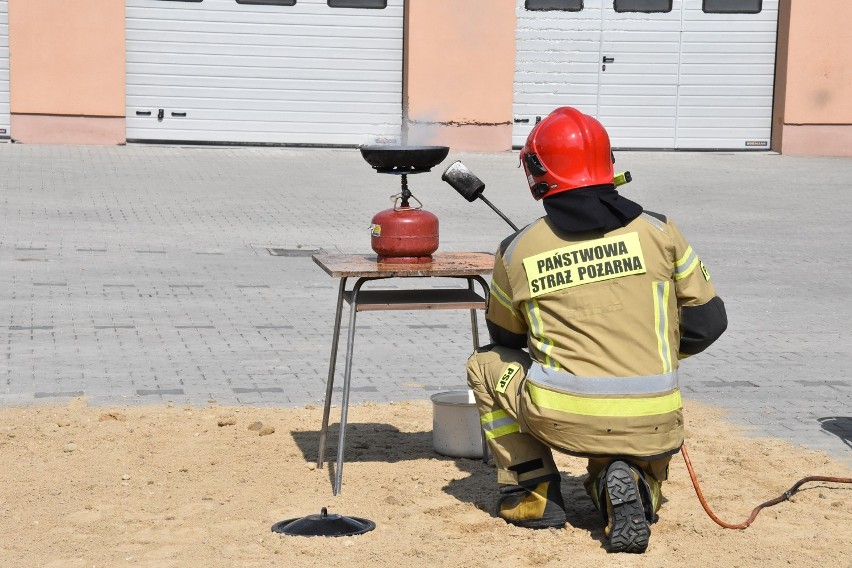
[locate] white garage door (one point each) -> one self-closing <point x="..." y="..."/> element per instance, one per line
<point x="4" y="69"/>
<point x="682" y="74"/>
<point x="265" y="71"/>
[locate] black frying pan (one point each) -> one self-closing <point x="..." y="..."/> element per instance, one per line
<point x="404" y="158"/>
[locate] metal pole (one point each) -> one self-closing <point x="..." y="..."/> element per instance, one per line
<point x="482" y="197"/>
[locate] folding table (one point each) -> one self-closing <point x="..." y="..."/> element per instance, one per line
<point x="469" y="266"/>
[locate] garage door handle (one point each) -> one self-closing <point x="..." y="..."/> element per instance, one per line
<point x="143" y="113"/>
<point x="608" y="59"/>
<point x="178" y="114"/>
<point x="521" y="120"/>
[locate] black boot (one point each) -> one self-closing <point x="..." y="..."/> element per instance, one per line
<point x="536" y="505"/>
<point x="627" y="527"/>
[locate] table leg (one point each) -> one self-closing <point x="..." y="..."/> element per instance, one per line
<point x="329" y="384"/>
<point x="347" y="376"/>
<point x="474" y="325"/>
<point x="485" y="450"/>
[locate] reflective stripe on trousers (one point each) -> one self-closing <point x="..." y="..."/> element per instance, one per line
<point x="556" y="389"/>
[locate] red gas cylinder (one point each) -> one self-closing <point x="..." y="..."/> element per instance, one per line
<point x="404" y="235"/>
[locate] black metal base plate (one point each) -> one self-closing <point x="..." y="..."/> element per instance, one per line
<point x="324" y="525"/>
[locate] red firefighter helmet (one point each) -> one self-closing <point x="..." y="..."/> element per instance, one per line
<point x="567" y="150"/>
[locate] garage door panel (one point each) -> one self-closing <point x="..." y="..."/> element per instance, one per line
<point x="710" y="69"/>
<point x="351" y="120"/>
<point x="558" y="74"/>
<point x="353" y="90"/>
<point x="254" y="136"/>
<point x="647" y="91"/>
<point x="536" y="94"/>
<point x="233" y="32"/>
<point x="726" y="36"/>
<point x="209" y="16"/>
<point x="663" y="48"/>
<point x="705" y="141"/>
<point x="730" y="81"/>
<point x="634" y="38"/>
<point x="687" y="91"/>
<point x="586" y="104"/>
<point x="729" y="27"/>
<point x="726" y="49"/>
<point x="561" y="23"/>
<point x="734" y="102"/>
<point x="726" y="121"/>
<point x="312" y="16"/>
<point x="239" y="95"/>
<point x="750" y="108"/>
<point x="268" y="65"/>
<point x="638" y="76"/>
<point x="642" y="142"/>
<point x="625" y="23"/>
<point x="247" y="127"/>
<point x="555" y="40"/>
<point x="537" y="39"/>
<point x="225" y="44"/>
<point x="307" y="73"/>
<point x="620" y="113"/>
<point x="557" y="55"/>
<point x="554" y="58"/>
<point x="633" y="121"/>
<point x="358" y="109"/>
<point x="729" y="59"/>
<point x="651" y="106"/>
<point x="721" y="132"/>
<point x="540" y="93"/>
<point x="236" y="69"/>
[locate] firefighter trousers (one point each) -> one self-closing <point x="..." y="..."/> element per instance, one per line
<point x="496" y="375"/>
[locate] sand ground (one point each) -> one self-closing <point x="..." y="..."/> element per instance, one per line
<point x="165" y="486"/>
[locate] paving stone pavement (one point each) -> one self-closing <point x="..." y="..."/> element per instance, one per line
<point x="145" y="274"/>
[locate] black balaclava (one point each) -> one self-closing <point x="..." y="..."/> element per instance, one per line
<point x="593" y="208"/>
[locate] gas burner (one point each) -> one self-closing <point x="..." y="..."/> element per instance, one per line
<point x="401" y="170"/>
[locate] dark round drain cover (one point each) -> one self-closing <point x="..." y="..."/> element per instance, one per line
<point x="324" y="525"/>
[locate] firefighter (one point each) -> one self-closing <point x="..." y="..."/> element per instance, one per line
<point x="591" y="308"/>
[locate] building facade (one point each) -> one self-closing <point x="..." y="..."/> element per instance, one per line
<point x="474" y="75"/>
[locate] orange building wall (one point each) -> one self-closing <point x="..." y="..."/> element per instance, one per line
<point x="66" y="71"/>
<point x="813" y="95"/>
<point x="459" y="71"/>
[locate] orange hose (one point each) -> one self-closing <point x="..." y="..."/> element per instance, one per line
<point x="787" y="494"/>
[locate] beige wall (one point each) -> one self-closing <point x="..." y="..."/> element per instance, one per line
<point x="67" y="61"/>
<point x="813" y="95"/>
<point x="459" y="70"/>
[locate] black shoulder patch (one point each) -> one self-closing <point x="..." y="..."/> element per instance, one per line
<point x="504" y="244"/>
<point x="659" y="216"/>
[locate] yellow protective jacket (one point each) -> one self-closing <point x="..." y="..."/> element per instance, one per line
<point x="601" y="314"/>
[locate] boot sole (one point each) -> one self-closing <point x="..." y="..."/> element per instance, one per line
<point x="630" y="531"/>
<point x="550" y="522"/>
